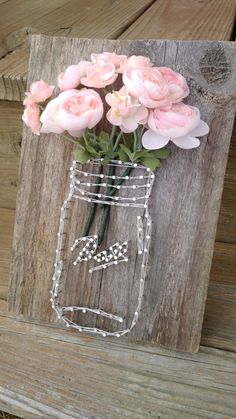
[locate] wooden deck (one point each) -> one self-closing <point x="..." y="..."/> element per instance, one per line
<point x="49" y="372"/>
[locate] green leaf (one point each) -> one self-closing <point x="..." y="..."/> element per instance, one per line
<point x="91" y="150"/>
<point x="104" y="136"/>
<point x="127" y="151"/>
<point x="82" y="155"/>
<point x="140" y="153"/>
<point x="151" y="162"/>
<point x="123" y="156"/>
<point x="162" y="153"/>
<point x="106" y="160"/>
<point x="129" y="141"/>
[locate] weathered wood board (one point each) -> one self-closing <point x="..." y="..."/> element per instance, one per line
<point x="185" y="199"/>
<point x="51" y="373"/>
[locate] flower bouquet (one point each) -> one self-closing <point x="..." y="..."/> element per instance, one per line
<point x="119" y="112"/>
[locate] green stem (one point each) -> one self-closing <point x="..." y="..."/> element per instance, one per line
<point x="106" y="210"/>
<point x="112" y="133"/>
<point x="117" y="140"/>
<point x="135" y="141"/>
<point x="92" y="209"/>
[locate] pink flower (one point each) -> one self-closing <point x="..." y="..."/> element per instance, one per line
<point x="109" y="58"/>
<point x="31" y="117"/>
<point x="73" y="111"/>
<point x="148" y="85"/>
<point x="137" y="61"/>
<point x="125" y="110"/>
<point x="99" y="75"/>
<point x="39" y="92"/>
<point x="181" y="124"/>
<point x="177" y="85"/>
<point x="70" y="79"/>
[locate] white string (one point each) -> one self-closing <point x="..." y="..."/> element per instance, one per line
<point x="143" y="244"/>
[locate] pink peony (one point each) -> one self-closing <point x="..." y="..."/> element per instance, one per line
<point x="31" y="117"/>
<point x="39" y="92"/>
<point x="73" y="111"/>
<point x="99" y="75"/>
<point x="70" y="79"/>
<point x="148" y="85"/>
<point x="125" y="110"/>
<point x="181" y="124"/>
<point x="109" y="58"/>
<point x="177" y="85"/>
<point x="137" y="61"/>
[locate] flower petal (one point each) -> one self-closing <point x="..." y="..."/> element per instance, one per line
<point x="152" y="141"/>
<point x="201" y="130"/>
<point x="186" y="142"/>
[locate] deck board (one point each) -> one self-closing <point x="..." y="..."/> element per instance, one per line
<point x="185" y="20"/>
<point x="80" y="377"/>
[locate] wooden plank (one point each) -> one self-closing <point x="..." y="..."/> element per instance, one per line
<point x="88" y="378"/>
<point x="6" y="235"/>
<point x="178" y="277"/>
<point x="10" y="140"/>
<point x="184" y="19"/>
<point x="56" y="373"/>
<point x="103" y="19"/>
<point x="226" y="229"/>
<point x="220" y="313"/>
<point x="219" y="327"/>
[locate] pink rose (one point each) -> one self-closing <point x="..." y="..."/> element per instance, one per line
<point x="39" y="92"/>
<point x="148" y="85"/>
<point x="72" y="111"/>
<point x="99" y="75"/>
<point x="31" y="117"/>
<point x="125" y="110"/>
<point x="177" y="85"/>
<point x="181" y="124"/>
<point x="70" y="79"/>
<point x="137" y="61"/>
<point x="109" y="57"/>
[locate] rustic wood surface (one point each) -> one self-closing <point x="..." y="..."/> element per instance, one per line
<point x="180" y="265"/>
<point x="133" y="19"/>
<point x="164" y="21"/>
<point x="173" y="20"/>
<point x="51" y="373"/>
<point x="13" y="66"/>
<point x="104" y="18"/>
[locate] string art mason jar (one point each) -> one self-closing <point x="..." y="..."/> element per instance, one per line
<point x="102" y="247"/>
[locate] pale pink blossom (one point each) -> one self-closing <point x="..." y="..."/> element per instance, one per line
<point x="99" y="75"/>
<point x="72" y="111"/>
<point x="137" y="61"/>
<point x="181" y="124"/>
<point x="70" y="79"/>
<point x="125" y="110"/>
<point x="31" y="117"/>
<point x="39" y="92"/>
<point x="177" y="85"/>
<point x="110" y="57"/>
<point x="148" y="85"/>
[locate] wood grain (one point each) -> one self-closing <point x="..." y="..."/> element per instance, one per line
<point x="6" y="235"/>
<point x="220" y="313"/>
<point x="184" y="19"/>
<point x="178" y="278"/>
<point x="10" y="140"/>
<point x="80" y="377"/>
<point x="219" y="326"/>
<point x="226" y="229"/>
<point x="104" y="18"/>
